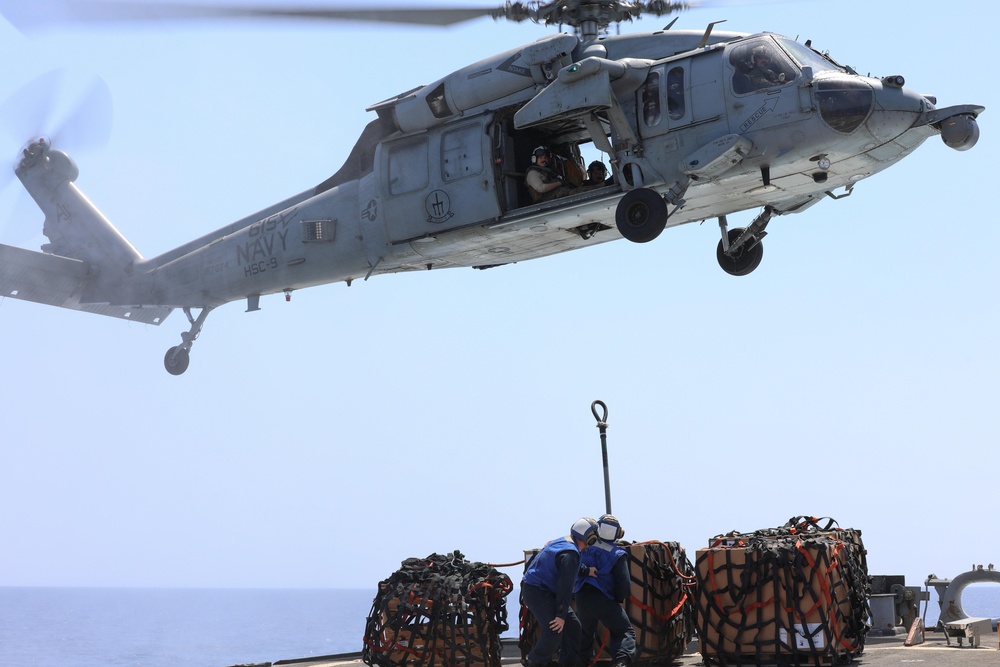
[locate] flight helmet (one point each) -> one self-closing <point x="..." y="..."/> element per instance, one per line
<point x="609" y="528"/>
<point x="585" y="530"/>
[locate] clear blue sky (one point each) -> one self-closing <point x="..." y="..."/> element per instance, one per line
<point x="320" y="442"/>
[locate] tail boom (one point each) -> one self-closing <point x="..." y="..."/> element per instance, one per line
<point x="61" y="281"/>
<point x="87" y="264"/>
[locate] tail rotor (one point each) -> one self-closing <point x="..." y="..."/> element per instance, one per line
<point x="73" y="112"/>
<point x="70" y="111"/>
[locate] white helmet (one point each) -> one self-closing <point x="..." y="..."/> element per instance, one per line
<point x="609" y="528"/>
<point x="585" y="530"/>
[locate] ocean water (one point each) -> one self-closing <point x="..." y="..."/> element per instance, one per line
<point x="129" y="627"/>
<point x="979" y="600"/>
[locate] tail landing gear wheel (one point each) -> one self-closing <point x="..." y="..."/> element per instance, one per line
<point x="178" y="357"/>
<point x="745" y="260"/>
<point x="641" y="215"/>
<point x="176" y="360"/>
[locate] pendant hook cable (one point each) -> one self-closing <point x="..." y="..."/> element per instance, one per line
<point x="602" y="426"/>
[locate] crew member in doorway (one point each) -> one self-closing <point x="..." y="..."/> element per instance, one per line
<point x="544" y="183"/>
<point x="601" y="592"/>
<point x="547" y="590"/>
<point x="597" y="175"/>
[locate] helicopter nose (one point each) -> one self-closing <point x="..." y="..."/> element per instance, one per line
<point x="896" y="109"/>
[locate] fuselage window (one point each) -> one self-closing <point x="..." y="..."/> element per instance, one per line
<point x="407" y="167"/>
<point x="651" y="99"/>
<point x="462" y="153"/>
<point x="675" y="93"/>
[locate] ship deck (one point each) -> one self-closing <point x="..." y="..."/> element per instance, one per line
<point x="879" y="652"/>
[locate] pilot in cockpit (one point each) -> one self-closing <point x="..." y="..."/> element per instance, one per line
<point x="762" y="73"/>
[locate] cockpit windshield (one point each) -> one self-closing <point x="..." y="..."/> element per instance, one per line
<point x="806" y="57"/>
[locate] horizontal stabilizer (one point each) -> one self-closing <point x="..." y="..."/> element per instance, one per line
<point x="59" y="281"/>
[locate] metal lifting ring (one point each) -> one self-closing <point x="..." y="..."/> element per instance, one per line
<point x="602" y="420"/>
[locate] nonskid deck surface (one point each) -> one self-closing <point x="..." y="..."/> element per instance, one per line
<point x="879" y="652"/>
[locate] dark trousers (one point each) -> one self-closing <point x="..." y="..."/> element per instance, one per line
<point x="542" y="605"/>
<point x="592" y="605"/>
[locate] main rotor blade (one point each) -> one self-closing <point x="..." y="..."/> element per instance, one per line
<point x="42" y="13"/>
<point x="30" y="15"/>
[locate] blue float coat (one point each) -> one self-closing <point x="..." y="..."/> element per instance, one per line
<point x="555" y="570"/>
<point x="611" y="563"/>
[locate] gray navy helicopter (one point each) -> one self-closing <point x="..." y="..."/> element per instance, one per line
<point x="696" y="125"/>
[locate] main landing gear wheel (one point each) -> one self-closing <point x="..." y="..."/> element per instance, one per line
<point x="176" y="360"/>
<point x="641" y="215"/>
<point x="744" y="260"/>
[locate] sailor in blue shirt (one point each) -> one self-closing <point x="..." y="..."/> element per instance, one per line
<point x="600" y="593"/>
<point x="547" y="591"/>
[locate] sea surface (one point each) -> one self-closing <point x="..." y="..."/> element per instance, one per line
<point x="979" y="600"/>
<point x="138" y="627"/>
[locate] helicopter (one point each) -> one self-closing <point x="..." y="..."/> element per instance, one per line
<point x="696" y="125"/>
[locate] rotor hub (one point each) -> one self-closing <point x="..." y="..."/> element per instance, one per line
<point x="589" y="18"/>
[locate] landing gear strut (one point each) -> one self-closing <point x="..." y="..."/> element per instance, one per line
<point x="740" y="250"/>
<point x="178" y="357"/>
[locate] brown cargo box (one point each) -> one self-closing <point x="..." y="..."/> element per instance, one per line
<point x="777" y="599"/>
<point x="439" y="611"/>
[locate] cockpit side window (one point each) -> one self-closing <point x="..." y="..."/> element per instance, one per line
<point x="759" y="64"/>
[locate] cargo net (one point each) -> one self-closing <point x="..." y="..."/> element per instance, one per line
<point x="797" y="594"/>
<point x="659" y="605"/>
<point x="439" y="611"/>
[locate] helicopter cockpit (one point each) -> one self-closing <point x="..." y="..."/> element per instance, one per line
<point x="768" y="61"/>
<point x="844" y="100"/>
<point x="772" y="61"/>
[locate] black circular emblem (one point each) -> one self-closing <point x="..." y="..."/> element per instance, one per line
<point x="438" y="206"/>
